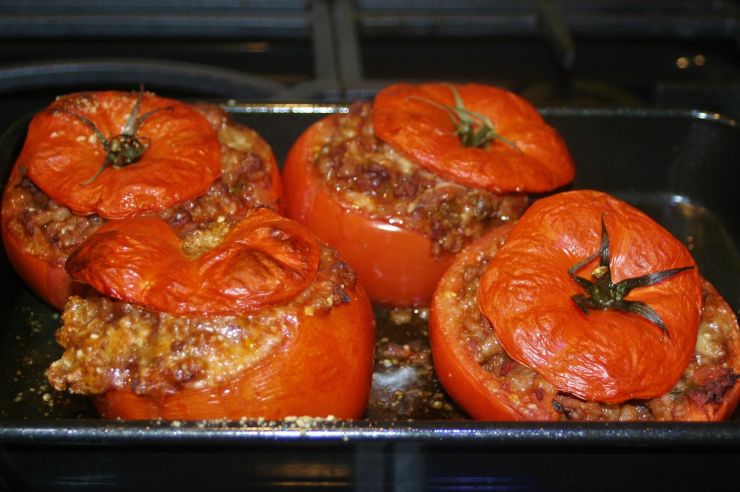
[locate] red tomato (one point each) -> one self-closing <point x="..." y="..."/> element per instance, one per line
<point x="569" y="224"/>
<point x="49" y="280"/>
<point x="527" y="155"/>
<point x="482" y="396"/>
<point x="323" y="369"/>
<point x="326" y="370"/>
<point x="395" y="265"/>
<point x="173" y="168"/>
<point x="607" y="355"/>
<point x="62" y="153"/>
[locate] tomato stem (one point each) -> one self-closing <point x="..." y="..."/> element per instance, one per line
<point x="604" y="294"/>
<point x="125" y="148"/>
<point x="474" y="129"/>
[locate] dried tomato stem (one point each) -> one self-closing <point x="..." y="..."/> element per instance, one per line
<point x="603" y="294"/>
<point x="125" y="148"/>
<point x="474" y="129"/>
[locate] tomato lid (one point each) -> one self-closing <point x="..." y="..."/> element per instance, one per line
<point x="264" y="260"/>
<point x="476" y="135"/>
<point x="118" y="154"/>
<point x="534" y="294"/>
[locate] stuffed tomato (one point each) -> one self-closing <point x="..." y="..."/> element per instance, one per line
<point x="401" y="184"/>
<point x="97" y="156"/>
<point x="250" y="318"/>
<point x="586" y="309"/>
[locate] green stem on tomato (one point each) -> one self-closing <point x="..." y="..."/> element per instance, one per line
<point x="604" y="294"/>
<point x="474" y="129"/>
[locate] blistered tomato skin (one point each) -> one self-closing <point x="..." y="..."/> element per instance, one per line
<point x="477" y="371"/>
<point x="606" y="355"/>
<point x="62" y="154"/>
<point x="324" y="370"/>
<point x="395" y="265"/>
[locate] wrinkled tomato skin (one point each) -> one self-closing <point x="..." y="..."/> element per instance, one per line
<point x="474" y="389"/>
<point x="607" y="356"/>
<point x="325" y="370"/>
<point x="481" y="395"/>
<point x="530" y="155"/>
<point x="62" y="153"/>
<point x="395" y="265"/>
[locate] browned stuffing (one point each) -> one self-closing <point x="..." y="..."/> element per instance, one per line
<point x="111" y="344"/>
<point x="363" y="172"/>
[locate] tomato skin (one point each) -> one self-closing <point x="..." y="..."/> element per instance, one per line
<point x="324" y="370"/>
<point x="605" y="355"/>
<point x="265" y="259"/>
<point x="394" y="265"/>
<point x="474" y="389"/>
<point x="47" y="278"/>
<point x="62" y="154"/>
<point x="529" y="157"/>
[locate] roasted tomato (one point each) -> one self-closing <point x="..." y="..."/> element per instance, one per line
<point x="399" y="186"/>
<point x="98" y="156"/>
<point x="585" y="310"/>
<point x="255" y="318"/>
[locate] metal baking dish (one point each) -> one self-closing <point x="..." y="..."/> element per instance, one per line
<point x="674" y="164"/>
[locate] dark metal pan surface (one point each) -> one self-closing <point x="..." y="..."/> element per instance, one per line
<point x="676" y="165"/>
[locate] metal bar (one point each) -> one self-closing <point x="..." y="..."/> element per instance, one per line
<point x="232" y="25"/>
<point x="325" y="66"/>
<point x="347" y="44"/>
<point x="557" y="34"/>
<point x="705" y="25"/>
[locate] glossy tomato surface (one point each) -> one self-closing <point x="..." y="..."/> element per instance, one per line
<point x="487" y="394"/>
<point x="395" y="265"/>
<point x="325" y="369"/>
<point x="65" y="151"/>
